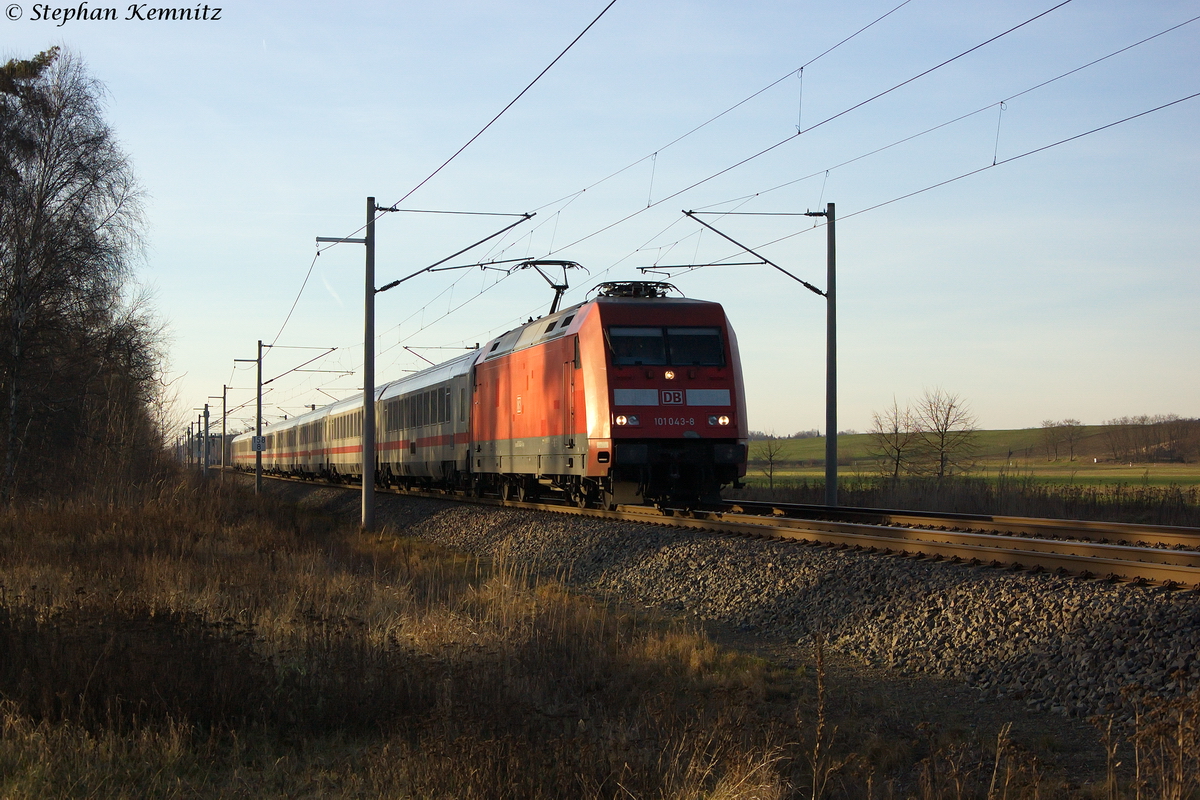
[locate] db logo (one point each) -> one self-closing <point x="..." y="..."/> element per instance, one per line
<point x="672" y="397"/>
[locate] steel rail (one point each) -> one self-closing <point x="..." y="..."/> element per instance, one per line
<point x="1115" y="532"/>
<point x="1189" y="558"/>
<point x="1082" y="558"/>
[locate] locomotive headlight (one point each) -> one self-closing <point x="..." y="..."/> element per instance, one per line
<point x="669" y="374"/>
<point x="712" y="419"/>
<point x="722" y="420"/>
<point x="621" y="419"/>
<point x="633" y="420"/>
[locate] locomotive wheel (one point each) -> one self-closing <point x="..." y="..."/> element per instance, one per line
<point x="582" y="496"/>
<point x="527" y="490"/>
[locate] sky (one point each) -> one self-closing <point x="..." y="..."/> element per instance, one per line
<point x="1051" y="283"/>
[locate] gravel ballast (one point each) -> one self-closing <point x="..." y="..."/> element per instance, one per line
<point x="1055" y="643"/>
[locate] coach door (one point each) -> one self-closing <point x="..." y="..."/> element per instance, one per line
<point x="568" y="404"/>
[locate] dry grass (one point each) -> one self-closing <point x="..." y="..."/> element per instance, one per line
<point x="205" y="643"/>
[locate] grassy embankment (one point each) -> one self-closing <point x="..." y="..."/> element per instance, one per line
<point x="1012" y="453"/>
<point x="204" y="643"/>
<point x="1013" y="476"/>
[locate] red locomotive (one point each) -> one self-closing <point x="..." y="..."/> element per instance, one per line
<point x="629" y="397"/>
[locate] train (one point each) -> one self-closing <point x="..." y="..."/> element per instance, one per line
<point x="633" y="396"/>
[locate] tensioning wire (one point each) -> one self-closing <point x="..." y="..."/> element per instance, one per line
<point x="952" y="121"/>
<point x="825" y="121"/>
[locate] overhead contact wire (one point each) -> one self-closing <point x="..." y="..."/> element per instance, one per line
<point x="932" y="69"/>
<point x="733" y="107"/>
<point x="782" y="142"/>
<point x="458" y="152"/>
<point x="986" y="167"/>
<point x="1022" y="155"/>
<point x="511" y="103"/>
<point x="295" y="302"/>
<point x="951" y="121"/>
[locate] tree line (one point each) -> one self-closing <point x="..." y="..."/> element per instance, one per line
<point x="79" y="357"/>
<point x="811" y="434"/>
<point x="1163" y="437"/>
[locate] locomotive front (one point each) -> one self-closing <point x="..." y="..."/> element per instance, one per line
<point x="675" y="425"/>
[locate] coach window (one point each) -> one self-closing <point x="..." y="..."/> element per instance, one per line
<point x="637" y="346"/>
<point x="700" y="347"/>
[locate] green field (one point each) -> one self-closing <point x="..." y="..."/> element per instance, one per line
<point x="1015" y="453"/>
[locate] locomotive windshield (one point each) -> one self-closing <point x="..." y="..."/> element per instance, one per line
<point x="682" y="347"/>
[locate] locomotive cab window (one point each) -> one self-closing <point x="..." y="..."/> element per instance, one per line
<point x="684" y="347"/>
<point x="634" y="346"/>
<point x="698" y="347"/>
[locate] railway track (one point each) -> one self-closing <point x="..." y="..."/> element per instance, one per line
<point x="1163" y="555"/>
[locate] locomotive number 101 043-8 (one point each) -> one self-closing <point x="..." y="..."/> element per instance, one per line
<point x="674" y="420"/>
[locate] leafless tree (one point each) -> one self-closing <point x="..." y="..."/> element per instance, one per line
<point x="1072" y="432"/>
<point x="70" y="216"/>
<point x="1118" y="436"/>
<point x="946" y="433"/>
<point x="768" y="452"/>
<point x="1163" y="437"/>
<point x="1145" y="438"/>
<point x="1052" y="435"/>
<point x="893" y="440"/>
